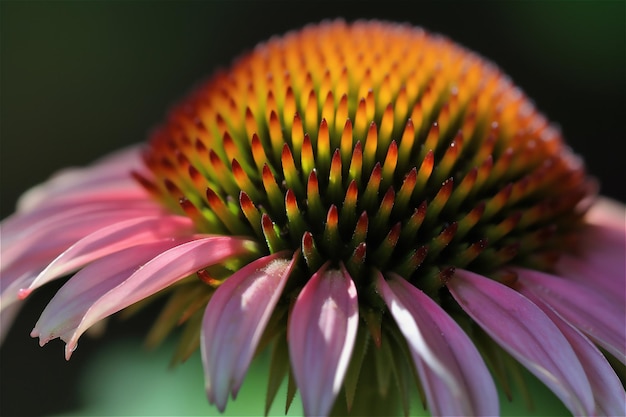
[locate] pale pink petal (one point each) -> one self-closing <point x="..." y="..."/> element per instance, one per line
<point x="109" y="240"/>
<point x="117" y="189"/>
<point x="123" y="278"/>
<point x="23" y="226"/>
<point x="124" y="189"/>
<point x="454" y="376"/>
<point x="13" y="280"/>
<point x="234" y="321"/>
<point x="581" y="306"/>
<point x="523" y="330"/>
<point x="24" y="260"/>
<point x="21" y="267"/>
<point x="59" y="206"/>
<point x="321" y="334"/>
<point x="604" y="246"/>
<point x="610" y="398"/>
<point x="601" y="277"/>
<point x="110" y="173"/>
<point x="609" y="213"/>
<point x="605" y="238"/>
<point x="65" y="311"/>
<point x="601" y="265"/>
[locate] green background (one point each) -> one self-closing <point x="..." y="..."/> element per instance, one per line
<point x="80" y="79"/>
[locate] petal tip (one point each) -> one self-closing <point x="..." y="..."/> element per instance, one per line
<point x="23" y="293"/>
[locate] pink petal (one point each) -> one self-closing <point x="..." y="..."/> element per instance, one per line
<point x="603" y="321"/>
<point x="118" y="189"/>
<point x="123" y="278"/>
<point x="605" y="244"/>
<point x="608" y="392"/>
<point x="29" y="225"/>
<point x="13" y="279"/>
<point x="321" y="334"/>
<point x="33" y="254"/>
<point x="110" y="173"/>
<point x="111" y="239"/>
<point x="596" y="274"/>
<point x="609" y="213"/>
<point x="24" y="260"/>
<point x="602" y="263"/>
<point x="605" y="238"/>
<point x="453" y="374"/>
<point x="234" y="321"/>
<point x="523" y="330"/>
<point x="66" y="309"/>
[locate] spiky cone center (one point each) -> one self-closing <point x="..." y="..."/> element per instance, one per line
<point x="376" y="146"/>
<point x="373" y="147"/>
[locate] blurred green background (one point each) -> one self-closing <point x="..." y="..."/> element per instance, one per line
<point x="80" y="79"/>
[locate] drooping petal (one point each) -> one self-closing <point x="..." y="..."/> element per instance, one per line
<point x="234" y="321"/>
<point x="74" y="299"/>
<point x="111" y="173"/>
<point x="124" y="190"/>
<point x="22" y="230"/>
<point x="321" y="334"/>
<point x="599" y="276"/>
<point x="56" y="209"/>
<point x="581" y="306"/>
<point x="609" y="395"/>
<point x="454" y="376"/>
<point x="605" y="238"/>
<point x="22" y="263"/>
<point x="605" y="248"/>
<point x="608" y="213"/>
<point x="13" y="279"/>
<point x="110" y="240"/>
<point x="523" y="330"/>
<point x="123" y="278"/>
<point x="602" y="263"/>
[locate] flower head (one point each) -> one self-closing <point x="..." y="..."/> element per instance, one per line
<point x="370" y="200"/>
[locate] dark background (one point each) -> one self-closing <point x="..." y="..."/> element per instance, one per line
<point x="80" y="79"/>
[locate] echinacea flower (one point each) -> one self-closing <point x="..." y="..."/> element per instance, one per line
<point x="375" y="204"/>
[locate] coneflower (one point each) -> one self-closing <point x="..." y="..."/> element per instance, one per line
<point x="375" y="204"/>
